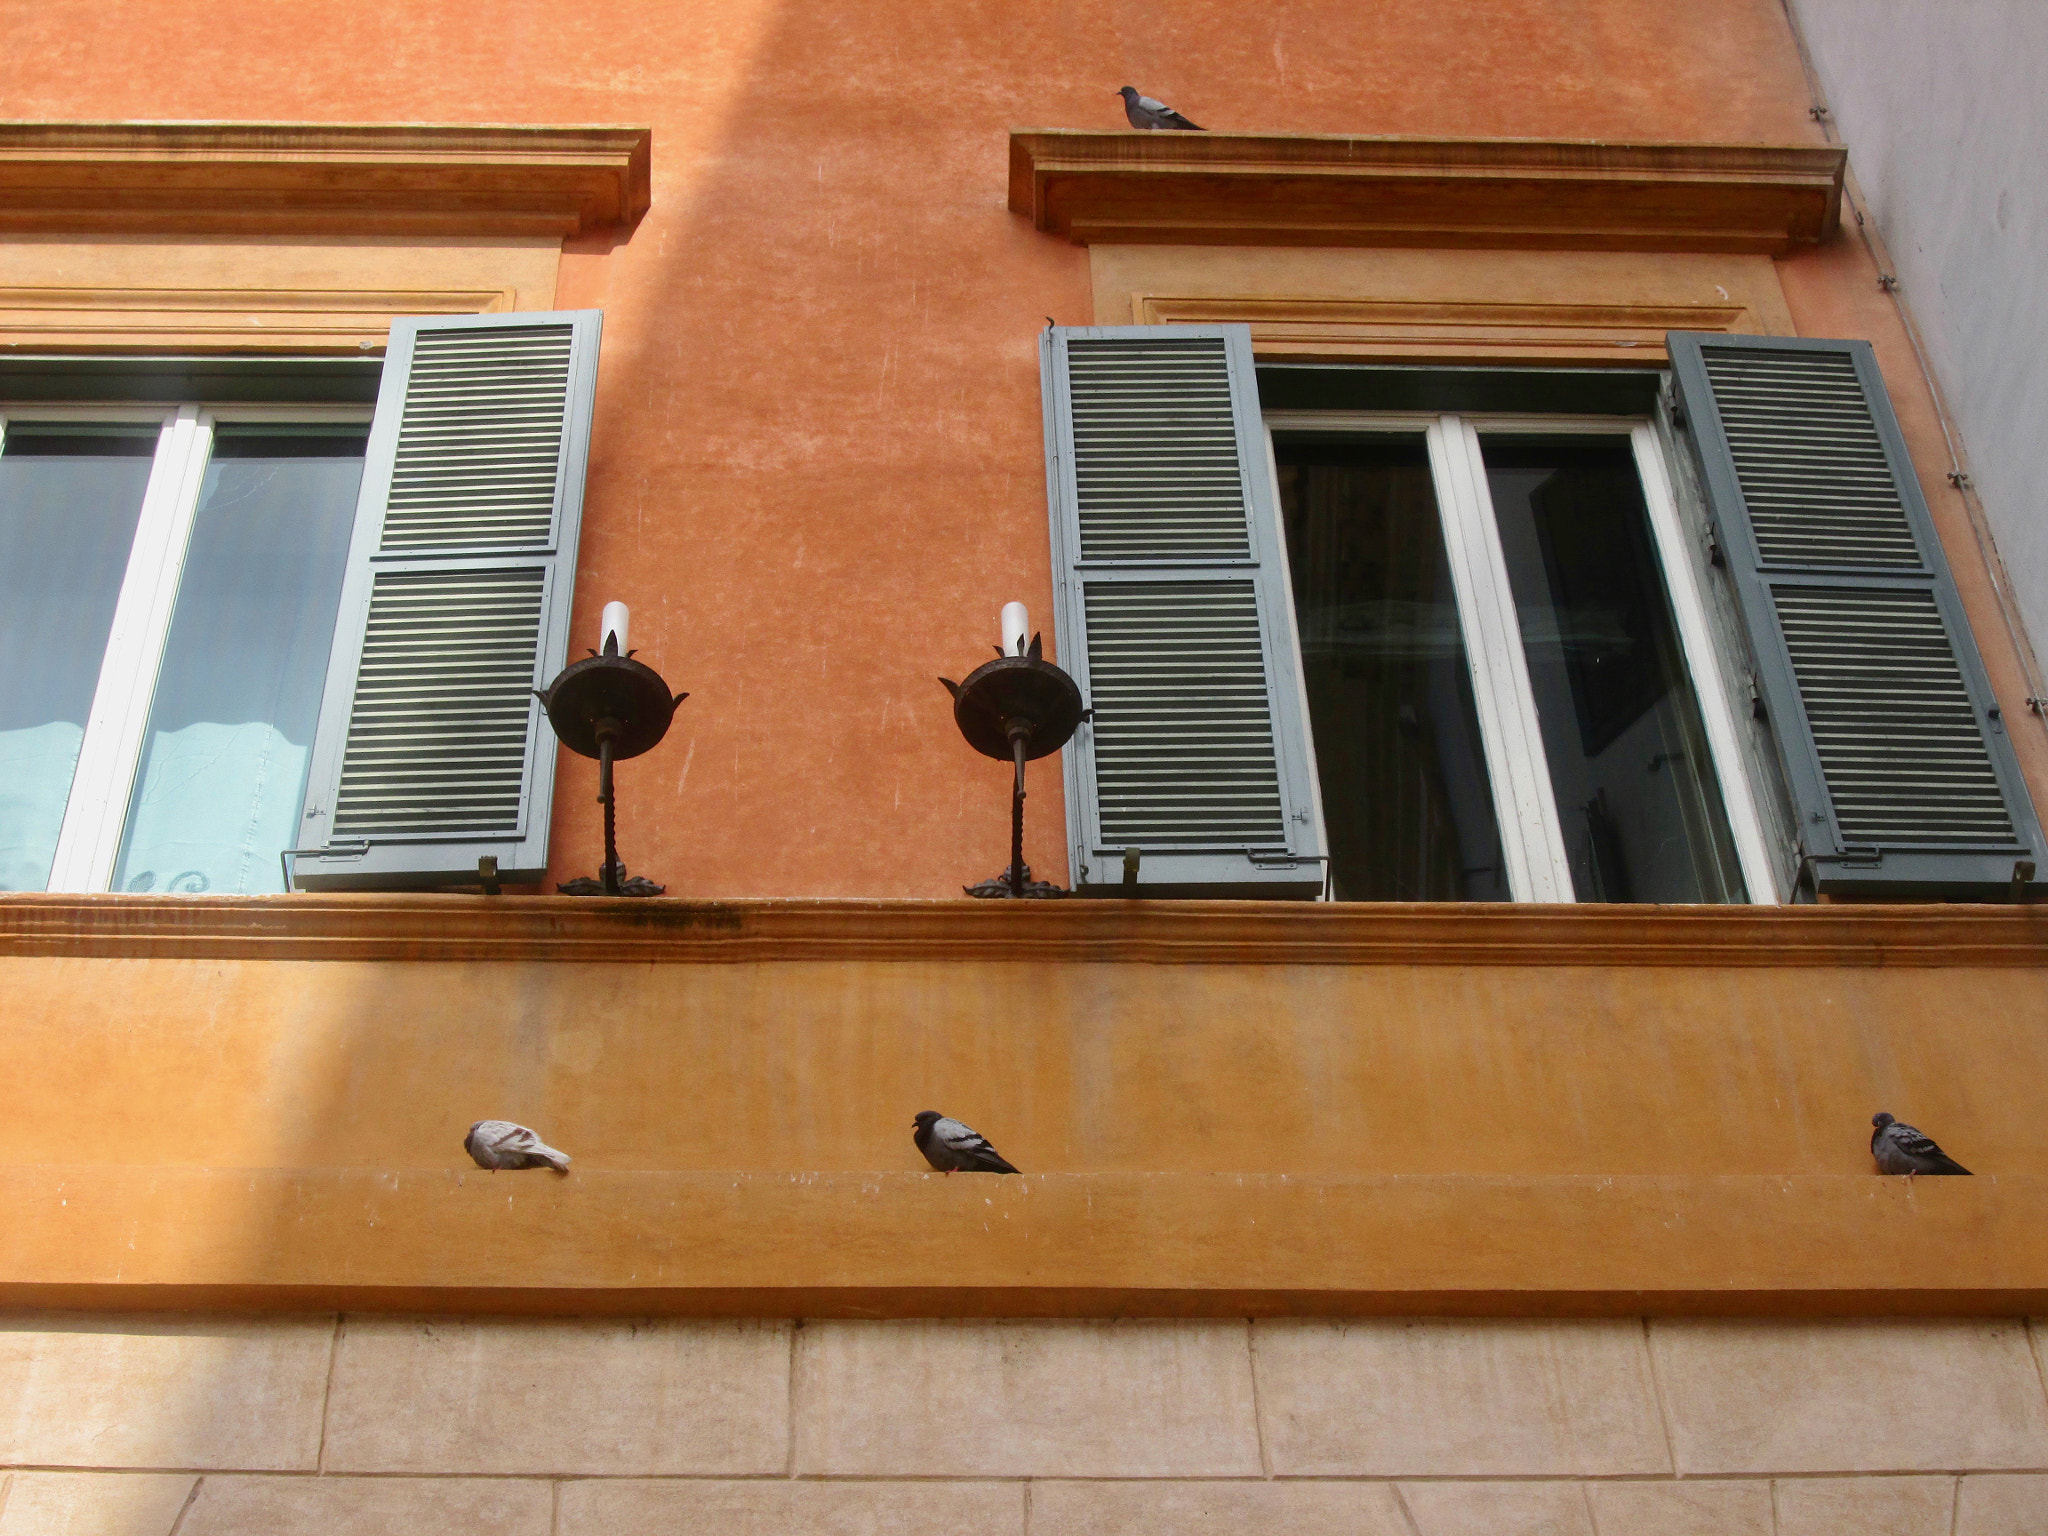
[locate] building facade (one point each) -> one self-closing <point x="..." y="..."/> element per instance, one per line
<point x="1562" y="757"/>
<point x="1956" y="217"/>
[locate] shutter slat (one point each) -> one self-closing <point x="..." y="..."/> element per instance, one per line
<point x="480" y="443"/>
<point x="431" y="748"/>
<point x="1155" y="450"/>
<point x="1903" y="779"/>
<point x="1183" y="729"/>
<point x="1809" y="460"/>
<point x="1938" y="784"/>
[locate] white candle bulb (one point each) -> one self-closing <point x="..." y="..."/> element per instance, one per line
<point x="1016" y="629"/>
<point x="614" y="623"/>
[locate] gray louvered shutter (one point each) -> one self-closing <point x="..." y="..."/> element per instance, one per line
<point x="1901" y="772"/>
<point x="1173" y="614"/>
<point x="431" y="751"/>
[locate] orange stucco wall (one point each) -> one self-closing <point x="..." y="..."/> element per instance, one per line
<point x="817" y="468"/>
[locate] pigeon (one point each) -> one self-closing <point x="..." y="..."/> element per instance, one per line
<point x="1900" y="1148"/>
<point x="496" y="1144"/>
<point x="1144" y="112"/>
<point x="947" y="1145"/>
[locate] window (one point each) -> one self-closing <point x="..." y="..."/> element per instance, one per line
<point x="1511" y="634"/>
<point x="170" y="594"/>
<point x="245" y="631"/>
<point x="1536" y="680"/>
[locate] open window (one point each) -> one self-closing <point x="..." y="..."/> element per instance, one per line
<point x="231" y="617"/>
<point x="1482" y="647"/>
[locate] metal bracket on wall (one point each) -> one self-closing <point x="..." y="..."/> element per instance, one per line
<point x="286" y="857"/>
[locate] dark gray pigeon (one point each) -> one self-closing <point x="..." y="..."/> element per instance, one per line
<point x="1144" y="112"/>
<point x="948" y="1145"/>
<point x="1901" y="1149"/>
<point x="496" y="1144"/>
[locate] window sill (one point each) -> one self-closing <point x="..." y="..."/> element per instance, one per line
<point x="1530" y="194"/>
<point x="566" y="928"/>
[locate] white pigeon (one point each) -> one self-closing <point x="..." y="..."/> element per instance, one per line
<point x="948" y="1145"/>
<point x="496" y="1144"/>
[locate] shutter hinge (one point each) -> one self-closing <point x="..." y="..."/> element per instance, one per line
<point x="1674" y="406"/>
<point x="2022" y="877"/>
<point x="1756" y="700"/>
<point x="1280" y="858"/>
<point x="1714" y="556"/>
<point x="1859" y="858"/>
<point x="352" y="848"/>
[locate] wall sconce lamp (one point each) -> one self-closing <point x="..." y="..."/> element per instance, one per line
<point x="1017" y="708"/>
<point x="609" y="706"/>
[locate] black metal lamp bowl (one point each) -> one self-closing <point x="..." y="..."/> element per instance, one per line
<point x="609" y="707"/>
<point x="1017" y="709"/>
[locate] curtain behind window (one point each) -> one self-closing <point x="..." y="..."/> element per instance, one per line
<point x="223" y="770"/>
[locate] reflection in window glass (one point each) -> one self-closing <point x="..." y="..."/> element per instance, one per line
<point x="1635" y="787"/>
<point x="69" y="500"/>
<point x="1406" y="801"/>
<point x="223" y="769"/>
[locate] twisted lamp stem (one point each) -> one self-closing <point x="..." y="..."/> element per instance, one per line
<point x="610" y="872"/>
<point x="1020" y="740"/>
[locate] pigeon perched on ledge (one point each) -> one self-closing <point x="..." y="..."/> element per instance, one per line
<point x="496" y="1144"/>
<point x="948" y="1145"/>
<point x="1144" y="112"/>
<point x="1901" y="1149"/>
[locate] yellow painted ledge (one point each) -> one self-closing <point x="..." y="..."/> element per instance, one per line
<point x="568" y="928"/>
<point x="897" y="1244"/>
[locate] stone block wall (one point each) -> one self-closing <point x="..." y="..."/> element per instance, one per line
<point x="117" y="1425"/>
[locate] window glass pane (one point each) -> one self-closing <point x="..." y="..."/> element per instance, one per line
<point x="1405" y="795"/>
<point x="1635" y="786"/>
<point x="69" y="500"/>
<point x="223" y="771"/>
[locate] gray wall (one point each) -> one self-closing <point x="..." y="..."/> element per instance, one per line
<point x="1944" y="107"/>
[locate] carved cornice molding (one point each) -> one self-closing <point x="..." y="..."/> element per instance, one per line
<point x="297" y="320"/>
<point x="1450" y="330"/>
<point x="1530" y="194"/>
<point x="558" y="928"/>
<point x="320" y="179"/>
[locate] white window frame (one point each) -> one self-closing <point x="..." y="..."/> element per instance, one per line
<point x="1533" y="846"/>
<point x="89" y="840"/>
